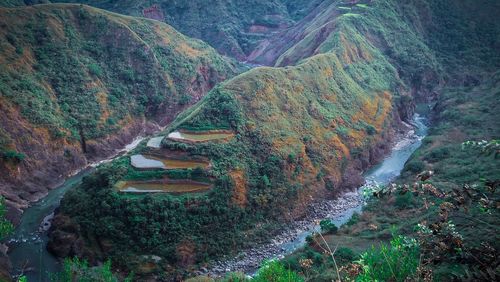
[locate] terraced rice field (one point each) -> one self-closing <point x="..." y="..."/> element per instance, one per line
<point x="174" y="187"/>
<point x="199" y="136"/>
<point x="155" y="162"/>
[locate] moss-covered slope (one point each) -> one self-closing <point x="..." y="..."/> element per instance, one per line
<point x="77" y="82"/>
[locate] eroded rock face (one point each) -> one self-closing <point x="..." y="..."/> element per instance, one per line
<point x="65" y="240"/>
<point x="5" y="264"/>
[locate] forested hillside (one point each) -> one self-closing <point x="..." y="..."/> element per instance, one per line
<point x="78" y="83"/>
<point x="301" y="132"/>
<point x="232" y="27"/>
<point x="332" y="86"/>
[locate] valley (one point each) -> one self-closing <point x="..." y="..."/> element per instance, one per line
<point x="296" y="127"/>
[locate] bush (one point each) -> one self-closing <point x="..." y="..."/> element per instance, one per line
<point x="184" y="99"/>
<point x="6" y="226"/>
<point x="95" y="69"/>
<point x="11" y="155"/>
<point x="231" y="277"/>
<point x="370" y="130"/>
<point x="79" y="271"/>
<point x="404" y="201"/>
<point x="397" y="262"/>
<point x="415" y="166"/>
<point x="274" y="271"/>
<point x="327" y="226"/>
<point x="437" y="154"/>
<point x="353" y="220"/>
<point x="345" y="254"/>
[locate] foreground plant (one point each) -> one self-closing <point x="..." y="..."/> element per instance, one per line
<point x="398" y="261"/>
<point x="76" y="270"/>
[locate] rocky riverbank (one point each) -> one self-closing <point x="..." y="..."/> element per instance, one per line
<point x="338" y="210"/>
<point x="249" y="260"/>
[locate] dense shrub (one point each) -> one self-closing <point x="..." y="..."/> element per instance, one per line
<point x="95" y="69"/>
<point x="437" y="154"/>
<point x="395" y="262"/>
<point x="77" y="270"/>
<point x="274" y="271"/>
<point x="327" y="226"/>
<point x="6" y="226"/>
<point x="354" y="219"/>
<point x="11" y="155"/>
<point x="371" y="130"/>
<point x="404" y="201"/>
<point x="415" y="166"/>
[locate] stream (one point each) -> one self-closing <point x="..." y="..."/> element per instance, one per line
<point x="29" y="256"/>
<point x="27" y="245"/>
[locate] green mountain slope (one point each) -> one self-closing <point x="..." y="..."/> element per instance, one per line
<point x="78" y="82"/>
<point x="302" y="132"/>
<point x="462" y="247"/>
<point x="232" y="27"/>
<point x="437" y="35"/>
<point x="345" y="77"/>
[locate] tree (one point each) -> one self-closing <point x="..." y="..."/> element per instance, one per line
<point x="6" y="226"/>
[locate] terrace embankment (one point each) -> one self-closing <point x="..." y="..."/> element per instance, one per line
<point x="191" y="136"/>
<point x="162" y="186"/>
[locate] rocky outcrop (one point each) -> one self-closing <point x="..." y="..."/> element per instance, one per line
<point x="65" y="240"/>
<point x="5" y="264"/>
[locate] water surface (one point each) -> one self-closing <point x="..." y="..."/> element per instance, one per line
<point x="382" y="174"/>
<point x="155" y="162"/>
<point x="28" y="244"/>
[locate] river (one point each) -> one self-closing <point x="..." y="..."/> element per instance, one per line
<point x="339" y="211"/>
<point x="382" y="174"/>
<point x="28" y="244"/>
<point x="29" y="255"/>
